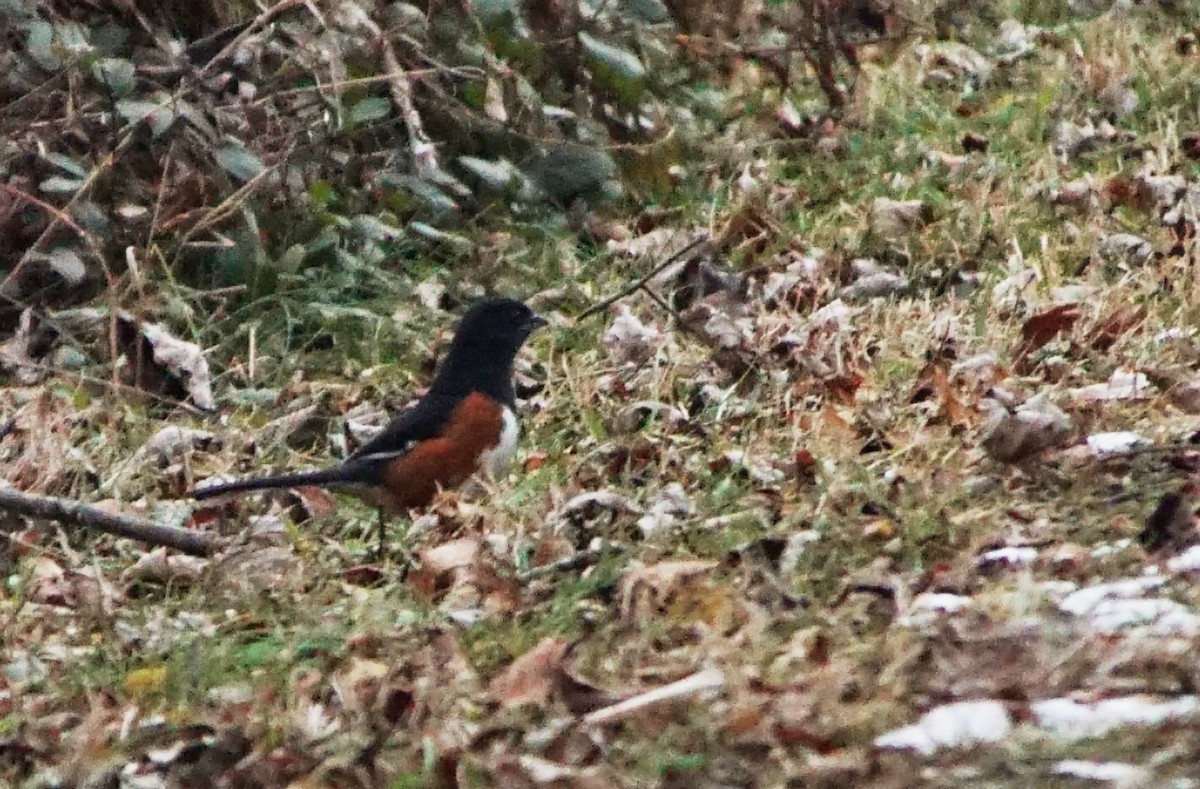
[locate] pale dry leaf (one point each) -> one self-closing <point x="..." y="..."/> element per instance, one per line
<point x="493" y="100"/>
<point x="892" y="219"/>
<point x="587" y="504"/>
<point x="1123" y="384"/>
<point x="452" y="555"/>
<point x="1015" y="40"/>
<point x="1080" y="194"/>
<point x="1111" y="773"/>
<point x="957" y="725"/>
<point x="184" y="360"/>
<point x="978" y="372"/>
<point x="1075" y="720"/>
<point x="51" y="584"/>
<point x="1072" y="139"/>
<point x="1125" y="249"/>
<point x="1013" y="289"/>
<point x="1164" y="191"/>
<point x="953" y="162"/>
<point x="1115" y="443"/>
<point x="718" y="327"/>
<point x="956" y="60"/>
<point x="295" y="427"/>
<point x="174" y="441"/>
<point x="1013" y="436"/>
<point x="543" y="772"/>
<point x="660" y="242"/>
<point x="1121" y="607"/>
<point x="880" y="284"/>
<point x="159" y="566"/>
<point x="629" y="341"/>
<point x="928" y="608"/>
<point x="1188" y="561"/>
<point x="430" y="292"/>
<point x="670" y="505"/>
<point x="1009" y="557"/>
<point x="253" y="569"/>
<point x="835" y="315"/>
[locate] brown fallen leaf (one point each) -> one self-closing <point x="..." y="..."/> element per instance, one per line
<point x="1180" y="389"/>
<point x="933" y="383"/>
<point x="530" y="679"/>
<point x="50" y="584"/>
<point x="1113" y="326"/>
<point x="1044" y="327"/>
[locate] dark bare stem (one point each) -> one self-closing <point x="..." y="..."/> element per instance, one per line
<point x="654" y="272"/>
<point x="69" y="512"/>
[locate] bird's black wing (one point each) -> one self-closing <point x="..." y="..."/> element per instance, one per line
<point x="423" y="421"/>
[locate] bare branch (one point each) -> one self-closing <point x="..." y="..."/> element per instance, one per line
<point x="69" y="512"/>
<point x="654" y="272"/>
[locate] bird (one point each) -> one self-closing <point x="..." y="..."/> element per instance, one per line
<point x="465" y="423"/>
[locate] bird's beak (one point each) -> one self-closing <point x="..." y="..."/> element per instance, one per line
<point x="536" y="321"/>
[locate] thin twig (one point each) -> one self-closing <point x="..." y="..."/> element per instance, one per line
<point x="576" y="561"/>
<point x="69" y="512"/>
<point x="256" y="24"/>
<point x="654" y="272"/>
<point x="424" y="152"/>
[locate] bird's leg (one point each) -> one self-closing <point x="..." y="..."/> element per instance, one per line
<point x="381" y="529"/>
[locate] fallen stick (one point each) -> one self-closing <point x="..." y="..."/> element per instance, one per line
<point x="69" y="512"/>
<point x="705" y="681"/>
<point x="600" y="306"/>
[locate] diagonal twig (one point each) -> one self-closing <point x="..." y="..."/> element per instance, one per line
<point x="654" y="272"/>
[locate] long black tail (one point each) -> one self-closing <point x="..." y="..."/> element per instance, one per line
<point x="324" y="477"/>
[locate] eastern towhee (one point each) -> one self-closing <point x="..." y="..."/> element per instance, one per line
<point x="464" y="424"/>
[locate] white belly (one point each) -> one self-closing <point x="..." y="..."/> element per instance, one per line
<point x="494" y="462"/>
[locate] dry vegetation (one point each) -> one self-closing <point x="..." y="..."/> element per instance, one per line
<point x="885" y="481"/>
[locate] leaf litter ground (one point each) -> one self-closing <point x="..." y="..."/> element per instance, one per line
<point x="888" y="484"/>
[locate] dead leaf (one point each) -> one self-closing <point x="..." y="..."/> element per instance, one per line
<point x="184" y="360"/>
<point x="701" y="683"/>
<point x="1123" y="384"/>
<point x="645" y="589"/>
<point x="1044" y="327"/>
<point x="50" y="584"/>
<point x="629" y="340"/>
<point x="1115" y="325"/>
<point x="451" y="556"/>
<point x="493" y="100"/>
<point x="530" y="679"/>
<point x="1013" y="436"/>
<point x="174" y="441"/>
<point x="671" y="504"/>
<point x="892" y="219"/>
<point x="158" y="566"/>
